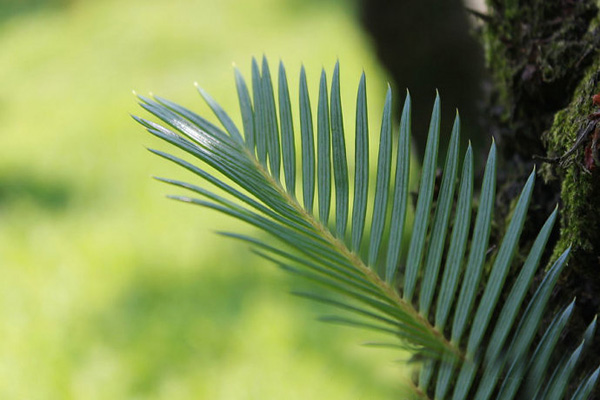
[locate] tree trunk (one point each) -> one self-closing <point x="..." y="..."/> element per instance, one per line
<point x="426" y="45"/>
<point x="544" y="64"/>
<point x="543" y="58"/>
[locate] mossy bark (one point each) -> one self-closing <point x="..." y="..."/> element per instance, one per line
<point x="544" y="59"/>
<point x="544" y="63"/>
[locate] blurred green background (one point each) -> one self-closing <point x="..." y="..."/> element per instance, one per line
<point x="107" y="289"/>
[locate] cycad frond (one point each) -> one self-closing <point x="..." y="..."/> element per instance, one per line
<point x="414" y="301"/>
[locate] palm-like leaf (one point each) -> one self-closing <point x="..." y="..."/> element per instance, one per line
<point x="420" y="307"/>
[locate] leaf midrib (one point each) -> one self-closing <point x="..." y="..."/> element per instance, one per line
<point x="391" y="294"/>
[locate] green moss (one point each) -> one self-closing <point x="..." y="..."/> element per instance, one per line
<point x="519" y="42"/>
<point x="532" y="48"/>
<point x="545" y="70"/>
<point x="580" y="218"/>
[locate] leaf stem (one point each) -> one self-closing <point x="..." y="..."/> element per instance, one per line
<point x="357" y="262"/>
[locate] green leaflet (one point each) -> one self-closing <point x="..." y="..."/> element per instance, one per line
<point x="361" y="172"/>
<point x="383" y="180"/>
<point x="585" y="388"/>
<point x="422" y="217"/>
<point x="270" y="120"/>
<point x="245" y="109"/>
<point x="324" y="151"/>
<point x="308" y="146"/>
<point x="440" y="222"/>
<point x="260" y="136"/>
<point x="446" y="326"/>
<point x="287" y="133"/>
<point x="340" y="165"/>
<point x="481" y="234"/>
<point x="500" y="268"/>
<point x="400" y="194"/>
<point x="458" y="243"/>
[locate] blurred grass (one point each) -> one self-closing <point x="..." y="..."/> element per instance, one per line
<point x="108" y="291"/>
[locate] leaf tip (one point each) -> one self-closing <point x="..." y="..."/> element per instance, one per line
<point x="323" y="79"/>
<point x="388" y="93"/>
<point x="532" y="174"/>
<point x="566" y="253"/>
<point x="265" y="63"/>
<point x="493" y="147"/>
<point x="407" y="101"/>
<point x="362" y="80"/>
